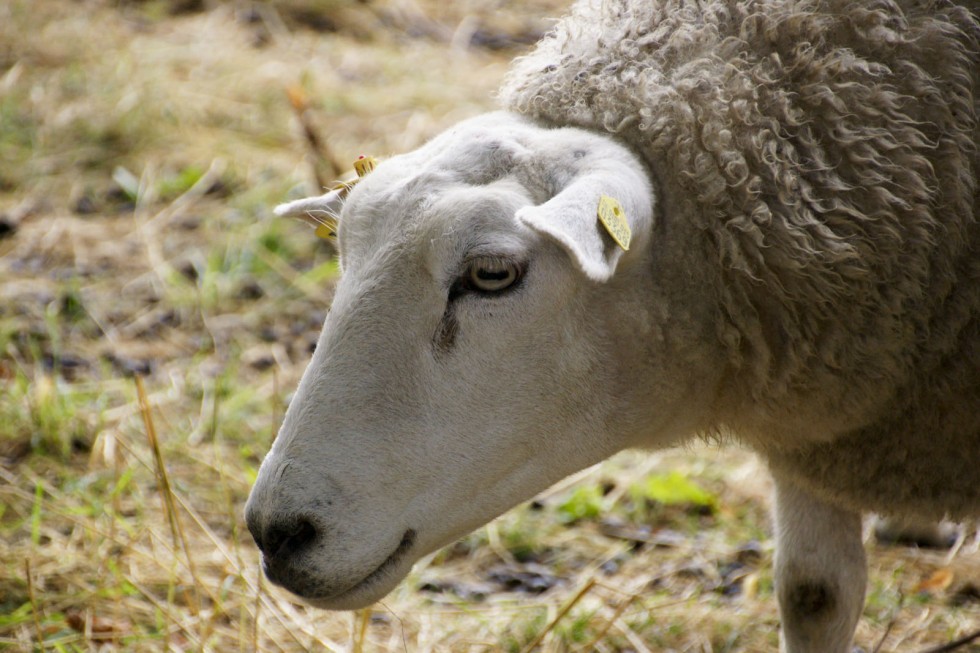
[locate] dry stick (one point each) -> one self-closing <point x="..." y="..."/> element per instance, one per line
<point x="64" y="514"/>
<point x="561" y="613"/>
<point x="165" y="610"/>
<point x="60" y="498"/>
<point x="401" y="624"/>
<point x="286" y="271"/>
<point x="632" y="637"/>
<point x="891" y="624"/>
<point x="955" y="644"/>
<point x="258" y="605"/>
<point x="185" y="200"/>
<point x="117" y="470"/>
<point x="888" y="630"/>
<point x="34" y="607"/>
<point x="139" y="552"/>
<point x="12" y="489"/>
<point x="316" y="145"/>
<point x="150" y="227"/>
<point x="620" y="609"/>
<point x="174" y="552"/>
<point x="215" y="402"/>
<point x="892" y="621"/>
<point x="189" y="509"/>
<point x="232" y="516"/>
<point x="169" y="506"/>
<point x="364" y="616"/>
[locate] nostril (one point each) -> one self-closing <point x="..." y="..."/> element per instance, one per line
<point x="287" y="537"/>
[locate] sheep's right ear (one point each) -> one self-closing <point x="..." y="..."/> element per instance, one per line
<point x="319" y="212"/>
<point x="598" y="216"/>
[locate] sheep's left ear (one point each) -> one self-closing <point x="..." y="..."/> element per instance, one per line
<point x="602" y="213"/>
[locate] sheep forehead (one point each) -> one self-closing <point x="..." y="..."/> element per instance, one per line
<point x="477" y="219"/>
<point x="464" y="185"/>
<point x="431" y="219"/>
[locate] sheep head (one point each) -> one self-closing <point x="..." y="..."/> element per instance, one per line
<point x="485" y="340"/>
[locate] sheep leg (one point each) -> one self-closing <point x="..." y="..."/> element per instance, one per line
<point x="820" y="572"/>
<point x="916" y="532"/>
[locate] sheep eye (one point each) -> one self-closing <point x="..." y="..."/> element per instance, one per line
<point x="487" y="274"/>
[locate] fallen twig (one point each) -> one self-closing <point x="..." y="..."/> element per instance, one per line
<point x="166" y="491"/>
<point x="620" y="609"/>
<point x="361" y="622"/>
<point x="561" y="613"/>
<point x="955" y="644"/>
<point x="891" y="622"/>
<point x="34" y="607"/>
<point x="322" y="156"/>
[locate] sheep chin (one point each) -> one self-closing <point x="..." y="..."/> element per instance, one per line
<point x="375" y="585"/>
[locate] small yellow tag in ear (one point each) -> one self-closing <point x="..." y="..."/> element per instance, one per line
<point x="327" y="229"/>
<point x="613" y="218"/>
<point x="364" y="165"/>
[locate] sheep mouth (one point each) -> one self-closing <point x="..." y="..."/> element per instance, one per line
<point x="407" y="542"/>
<point x="389" y="563"/>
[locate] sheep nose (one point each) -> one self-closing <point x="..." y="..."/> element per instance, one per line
<point x="282" y="538"/>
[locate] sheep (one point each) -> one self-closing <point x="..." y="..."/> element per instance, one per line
<point x="751" y="220"/>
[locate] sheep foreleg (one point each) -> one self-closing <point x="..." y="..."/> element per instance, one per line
<point x="820" y="572"/>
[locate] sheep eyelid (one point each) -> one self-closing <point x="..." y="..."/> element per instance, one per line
<point x="463" y="284"/>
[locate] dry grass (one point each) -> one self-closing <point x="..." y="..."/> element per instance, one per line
<point x="141" y="147"/>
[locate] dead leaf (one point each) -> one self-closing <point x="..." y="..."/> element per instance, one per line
<point x="99" y="627"/>
<point x="935" y="583"/>
<point x="297" y="97"/>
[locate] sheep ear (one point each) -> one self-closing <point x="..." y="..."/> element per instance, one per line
<point x="319" y="212"/>
<point x="597" y="218"/>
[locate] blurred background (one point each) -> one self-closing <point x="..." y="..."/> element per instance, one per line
<point x="154" y="319"/>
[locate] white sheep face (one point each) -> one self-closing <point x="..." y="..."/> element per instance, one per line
<point x="472" y="355"/>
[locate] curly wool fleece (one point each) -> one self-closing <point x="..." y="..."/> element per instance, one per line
<point x="825" y="155"/>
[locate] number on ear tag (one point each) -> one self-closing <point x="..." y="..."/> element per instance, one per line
<point x="364" y="165"/>
<point x="613" y="218"/>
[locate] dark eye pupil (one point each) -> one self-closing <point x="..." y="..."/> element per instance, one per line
<point x="492" y="275"/>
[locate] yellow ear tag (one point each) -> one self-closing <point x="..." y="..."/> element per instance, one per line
<point x="613" y="218"/>
<point x="327" y="229"/>
<point x="364" y="165"/>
